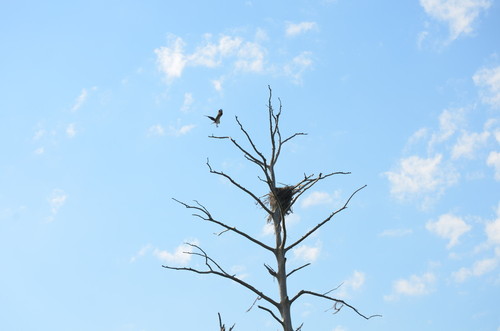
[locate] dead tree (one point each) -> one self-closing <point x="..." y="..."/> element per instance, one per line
<point x="277" y="204"/>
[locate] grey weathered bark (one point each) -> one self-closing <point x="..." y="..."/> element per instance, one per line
<point x="277" y="205"/>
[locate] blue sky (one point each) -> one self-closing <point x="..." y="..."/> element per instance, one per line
<point x="102" y="123"/>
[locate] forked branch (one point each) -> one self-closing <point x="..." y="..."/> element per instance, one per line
<point x="337" y="306"/>
<point x="215" y="269"/>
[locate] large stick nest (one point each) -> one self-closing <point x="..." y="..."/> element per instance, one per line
<point x="283" y="198"/>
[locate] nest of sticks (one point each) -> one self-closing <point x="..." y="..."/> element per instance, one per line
<point x="283" y="198"/>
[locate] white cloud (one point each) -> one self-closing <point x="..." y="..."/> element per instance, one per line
<point x="449" y="227"/>
<point x="298" y="66"/>
<point x="494" y="161"/>
<point x="188" y="101"/>
<point x="39" y="134"/>
<point x="478" y="269"/>
<point x="156" y="130"/>
<point x="416" y="175"/>
<point x="293" y="29"/>
<point x="217" y="84"/>
<point x="449" y="122"/>
<point x="80" y="100"/>
<point x="353" y="283"/>
<point x="307" y="253"/>
<point x="396" y="232"/>
<point x="181" y="131"/>
<point x="180" y="255"/>
<point x="493" y="229"/>
<point x="250" y="57"/>
<point x="56" y="200"/>
<point x="245" y="55"/>
<point x="458" y="14"/>
<point x="145" y="249"/>
<point x="171" y="59"/>
<point x="319" y="198"/>
<point x="413" y="286"/>
<point x="489" y="80"/>
<point x="70" y="130"/>
<point x="468" y="143"/>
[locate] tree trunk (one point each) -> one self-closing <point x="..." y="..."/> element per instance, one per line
<point x="284" y="304"/>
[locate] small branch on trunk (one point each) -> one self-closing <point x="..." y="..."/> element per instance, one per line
<point x="272" y="314"/>
<point x="324" y="221"/>
<point x="271" y="271"/>
<point x="297" y="269"/>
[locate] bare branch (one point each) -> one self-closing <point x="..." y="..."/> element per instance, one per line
<point x="336" y="301"/>
<point x="241" y="187"/>
<point x="247" y="154"/>
<point x="223" y="326"/>
<point x="297" y="269"/>
<point x="324" y="221"/>
<point x="253" y="304"/>
<point x="272" y="314"/>
<point x="220" y="233"/>
<point x="271" y="271"/>
<point x="293" y="136"/>
<point x="308" y="182"/>
<point x="222" y="273"/>
<point x="264" y="162"/>
<point x="208" y="217"/>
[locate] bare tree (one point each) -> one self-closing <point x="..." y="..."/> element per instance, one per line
<point x="277" y="204"/>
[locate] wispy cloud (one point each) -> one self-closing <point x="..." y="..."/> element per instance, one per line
<point x="488" y="79"/>
<point x="71" y="130"/>
<point x="156" y="130"/>
<point x="188" y="101"/>
<point x="353" y="283"/>
<point x="307" y="253"/>
<point x="56" y="200"/>
<point x="294" y="29"/>
<point x="416" y="175"/>
<point x="244" y="55"/>
<point x="232" y="55"/>
<point x="396" y="232"/>
<point x="486" y="264"/>
<point x="449" y="227"/>
<point x="415" y="285"/>
<point x="180" y="131"/>
<point x="298" y="65"/>
<point x="494" y="161"/>
<point x="459" y="15"/>
<point x="478" y="269"/>
<point x="180" y="255"/>
<point x="319" y="198"/>
<point x="141" y="252"/>
<point x="82" y="97"/>
<point x="468" y="143"/>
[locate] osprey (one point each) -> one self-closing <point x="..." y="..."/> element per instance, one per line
<point x="216" y="119"/>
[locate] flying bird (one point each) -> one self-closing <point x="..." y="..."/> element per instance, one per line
<point x="216" y="119"/>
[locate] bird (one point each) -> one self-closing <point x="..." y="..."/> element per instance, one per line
<point x="216" y="119"/>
